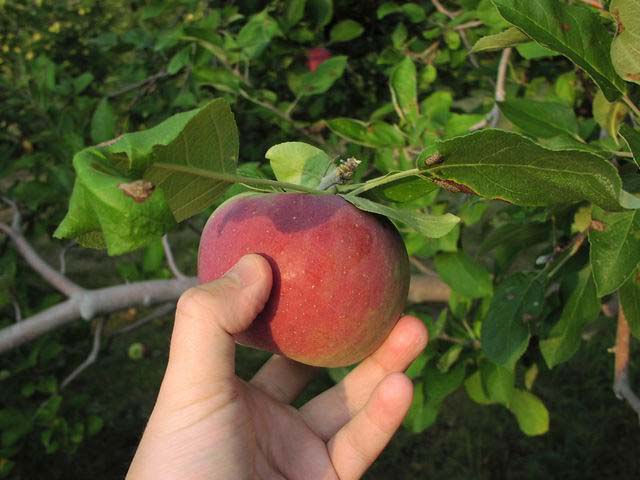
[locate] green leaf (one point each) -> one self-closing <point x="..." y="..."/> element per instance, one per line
<point x="609" y="115"/>
<point x="294" y="11"/>
<point x="345" y="31"/>
<point x="321" y="80"/>
<point x="404" y="90"/>
<point x="505" y="330"/>
<point x="414" y="12"/>
<point x="463" y="275"/>
<point x="574" y="31"/>
<point x="374" y="134"/>
<point x="530" y="412"/>
<point x="257" y="33"/>
<point x="422" y="413"/>
<point x="498" y="382"/>
<point x="615" y="250"/>
<point x="320" y="12"/>
<point x="630" y="302"/>
<point x="533" y="51"/>
<point x="632" y="137"/>
<point x="403" y="190"/>
<point x="104" y="211"/>
<point x="475" y="390"/>
<point x="581" y="308"/>
<point x="625" y="47"/>
<point x="387" y="8"/>
<point x="432" y="226"/>
<point x="502" y="165"/>
<point x="540" y="119"/>
<point x="507" y="38"/>
<point x="179" y="60"/>
<point x="299" y="163"/>
<point x="103" y="122"/>
<point x="81" y="82"/>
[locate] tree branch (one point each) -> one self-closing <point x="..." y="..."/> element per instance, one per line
<point x="621" y="386"/>
<point x="91" y="358"/>
<point x="427" y="288"/>
<point x="134" y="86"/>
<point x="493" y="116"/>
<point x="170" y="260"/>
<point x="441" y="8"/>
<point x="58" y="281"/>
<point x="89" y="303"/>
<point x="157" y="313"/>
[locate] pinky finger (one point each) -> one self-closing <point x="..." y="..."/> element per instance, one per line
<point x="356" y="445"/>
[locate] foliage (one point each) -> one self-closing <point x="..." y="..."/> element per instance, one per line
<point x="532" y="224"/>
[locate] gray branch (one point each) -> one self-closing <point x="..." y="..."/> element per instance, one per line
<point x="91" y="358"/>
<point x="170" y="259"/>
<point x="58" y="281"/>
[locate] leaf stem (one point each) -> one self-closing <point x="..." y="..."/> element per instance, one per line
<point x="376" y="182"/>
<point x="233" y="178"/>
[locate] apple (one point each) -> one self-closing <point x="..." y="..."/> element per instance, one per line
<point x="315" y="56"/>
<point x="340" y="275"/>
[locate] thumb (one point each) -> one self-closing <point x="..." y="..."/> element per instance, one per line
<point x="202" y="346"/>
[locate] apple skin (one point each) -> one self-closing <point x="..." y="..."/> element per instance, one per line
<point x="316" y="56"/>
<point x="340" y="275"/>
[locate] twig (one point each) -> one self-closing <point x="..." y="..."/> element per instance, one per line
<point x="468" y="47"/>
<point x="133" y="86"/>
<point x="58" y="281"/>
<point x="170" y="260"/>
<point x="427" y="288"/>
<point x="91" y="358"/>
<point x="631" y="105"/>
<point x="492" y="118"/>
<point x="440" y="8"/>
<point x="471" y="24"/>
<point x="17" y="311"/>
<point x="420" y="265"/>
<point x="63" y="254"/>
<point x="621" y="386"/>
<point x="161" y="311"/>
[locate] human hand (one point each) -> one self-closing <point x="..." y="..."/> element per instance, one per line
<point x="208" y="423"/>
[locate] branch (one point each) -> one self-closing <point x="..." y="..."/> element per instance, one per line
<point x="631" y="105"/>
<point x="58" y="281"/>
<point x="440" y="8"/>
<point x="17" y="311"/>
<point x="427" y="288"/>
<point x="621" y="386"/>
<point x="91" y="358"/>
<point x="134" y="86"/>
<point x="157" y="313"/>
<point x="170" y="260"/>
<point x="89" y="303"/>
<point x="493" y="116"/>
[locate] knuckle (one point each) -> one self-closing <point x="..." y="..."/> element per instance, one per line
<point x="195" y="302"/>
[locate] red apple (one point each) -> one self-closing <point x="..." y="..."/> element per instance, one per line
<point x="340" y="275"/>
<point x="315" y="56"/>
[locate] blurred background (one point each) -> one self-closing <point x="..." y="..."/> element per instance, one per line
<point x="75" y="73"/>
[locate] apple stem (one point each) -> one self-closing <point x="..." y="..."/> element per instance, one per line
<point x="233" y="178"/>
<point x="339" y="175"/>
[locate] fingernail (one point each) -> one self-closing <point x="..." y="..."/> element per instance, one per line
<point x="245" y="272"/>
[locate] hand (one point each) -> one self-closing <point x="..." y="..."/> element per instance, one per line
<point x="208" y="423"/>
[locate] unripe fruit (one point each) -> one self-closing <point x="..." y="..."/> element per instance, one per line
<point x="340" y="275"/>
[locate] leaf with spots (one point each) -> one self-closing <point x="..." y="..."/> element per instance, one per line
<point x="625" y="48"/>
<point x="131" y="191"/>
<point x="507" y="166"/>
